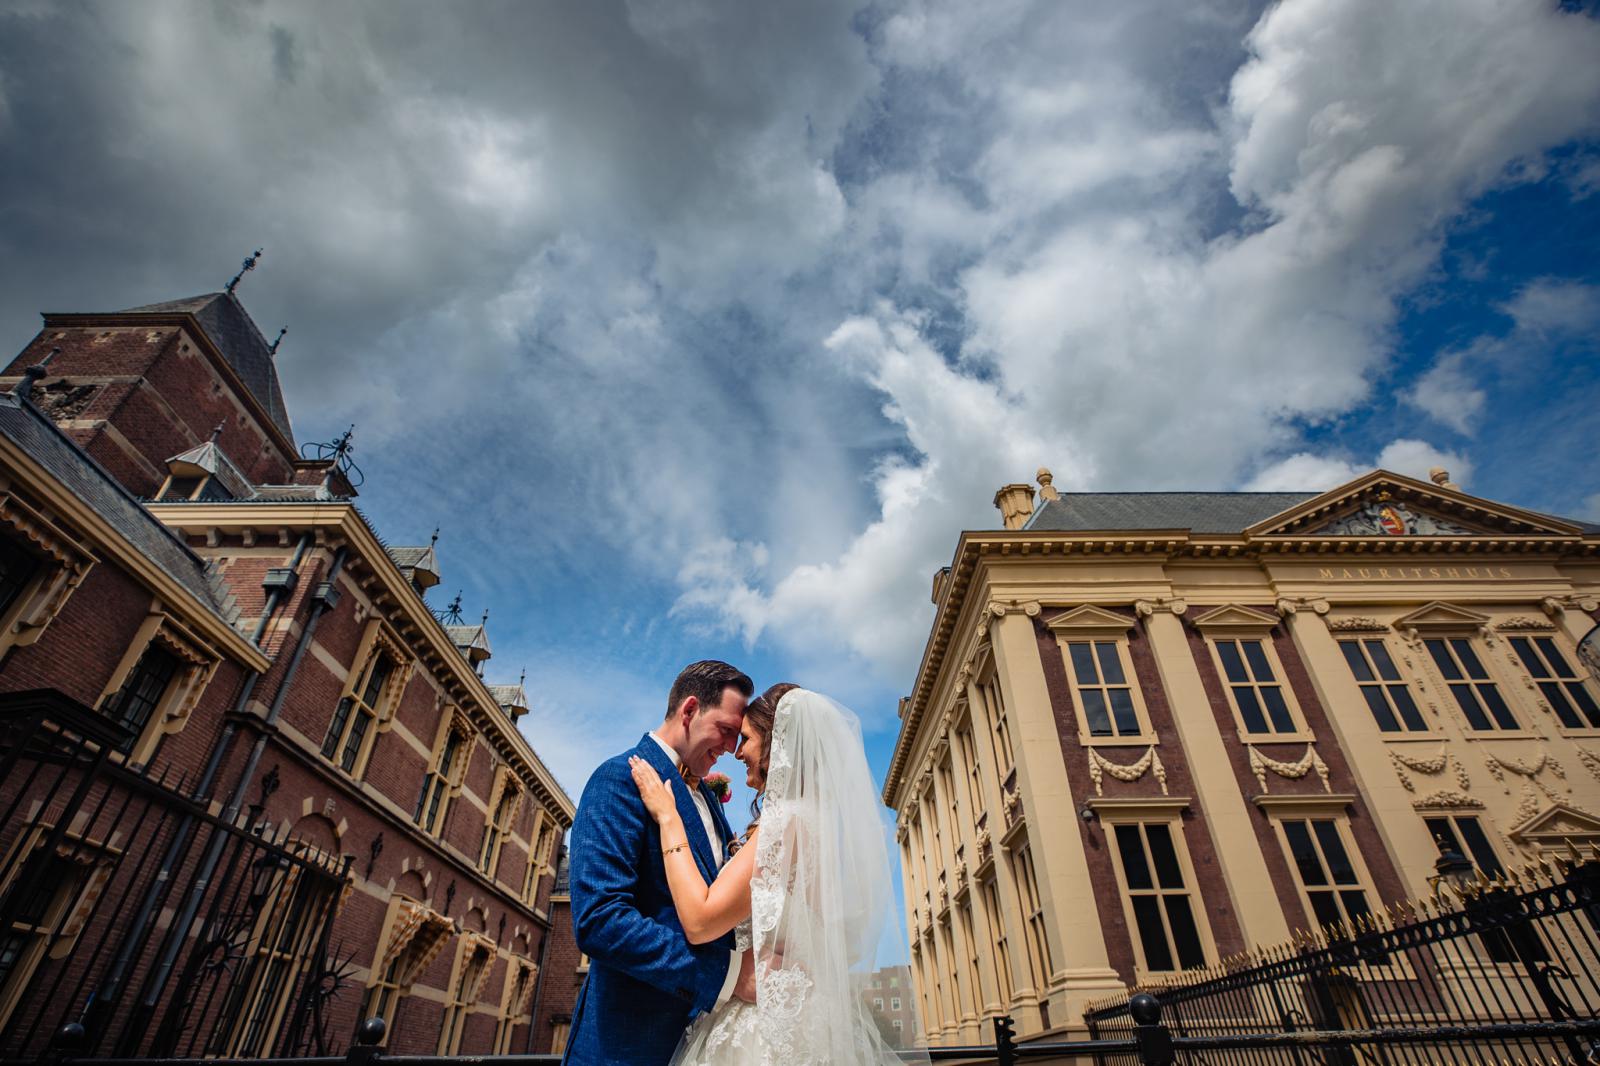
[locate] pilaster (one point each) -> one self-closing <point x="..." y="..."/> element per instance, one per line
<point x="1073" y="924"/>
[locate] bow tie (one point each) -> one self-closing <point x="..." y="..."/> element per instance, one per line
<point x="689" y="778"/>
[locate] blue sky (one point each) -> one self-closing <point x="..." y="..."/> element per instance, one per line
<point x="702" y="329"/>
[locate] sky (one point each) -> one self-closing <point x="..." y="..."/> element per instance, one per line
<point x="702" y="329"/>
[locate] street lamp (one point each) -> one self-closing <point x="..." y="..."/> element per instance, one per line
<point x="1454" y="871"/>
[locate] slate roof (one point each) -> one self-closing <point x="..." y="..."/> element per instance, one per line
<point x="1198" y="512"/>
<point x="231" y="329"/>
<point x="469" y="638"/>
<point x="508" y="696"/>
<point x="213" y="460"/>
<point x="38" y="437"/>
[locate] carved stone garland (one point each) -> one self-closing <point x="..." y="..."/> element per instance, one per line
<point x="1591" y="762"/>
<point x="1099" y="765"/>
<point x="1528" y="806"/>
<point x="1260" y="764"/>
<point x="1443" y="761"/>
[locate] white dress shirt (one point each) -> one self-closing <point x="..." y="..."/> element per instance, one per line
<point x="717" y="857"/>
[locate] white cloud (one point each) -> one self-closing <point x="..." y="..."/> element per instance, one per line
<point x="1447" y="392"/>
<point x="1308" y="471"/>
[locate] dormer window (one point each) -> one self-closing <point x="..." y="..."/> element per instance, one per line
<point x="180" y="488"/>
<point x="204" y="473"/>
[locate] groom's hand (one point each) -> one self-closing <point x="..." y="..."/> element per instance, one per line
<point x="745" y="987"/>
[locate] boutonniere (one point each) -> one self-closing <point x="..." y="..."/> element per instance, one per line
<point x="719" y="786"/>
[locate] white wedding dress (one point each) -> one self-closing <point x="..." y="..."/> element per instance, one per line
<point x="820" y="898"/>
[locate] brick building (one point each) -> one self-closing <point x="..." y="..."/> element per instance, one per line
<point x="892" y="1000"/>
<point x="1152" y="731"/>
<point x="565" y="970"/>
<point x="255" y="790"/>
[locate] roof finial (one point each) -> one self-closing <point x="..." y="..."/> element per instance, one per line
<point x="485" y="619"/>
<point x="1441" y="477"/>
<point x="215" y="433"/>
<point x="434" y="540"/>
<point x="249" y="265"/>
<point x="523" y="678"/>
<point x="274" y="349"/>
<point x="1046" y="480"/>
<point x="31" y="376"/>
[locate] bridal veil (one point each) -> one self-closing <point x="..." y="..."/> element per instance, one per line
<point x="821" y="895"/>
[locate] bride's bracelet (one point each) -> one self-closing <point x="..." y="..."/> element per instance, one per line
<point x="675" y="847"/>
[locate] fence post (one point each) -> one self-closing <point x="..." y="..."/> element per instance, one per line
<point x="366" y="1051"/>
<point x="1155" y="1042"/>
<point x="1005" y="1045"/>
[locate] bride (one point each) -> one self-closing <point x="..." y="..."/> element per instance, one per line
<point x="808" y="892"/>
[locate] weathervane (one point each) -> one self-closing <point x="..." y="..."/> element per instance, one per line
<point x="274" y="349"/>
<point x="249" y="265"/>
<point x="434" y="542"/>
<point x="339" y="451"/>
<point x="451" y="615"/>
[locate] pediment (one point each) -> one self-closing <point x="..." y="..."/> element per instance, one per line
<point x="1090" y="621"/>
<point x="1235" y="618"/>
<point x="1437" y="617"/>
<point x="1386" y="505"/>
<point x="1557" y="824"/>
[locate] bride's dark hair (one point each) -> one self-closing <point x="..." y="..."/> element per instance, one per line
<point x="759" y="713"/>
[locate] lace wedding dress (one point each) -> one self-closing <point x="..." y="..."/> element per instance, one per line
<point x="820" y="899"/>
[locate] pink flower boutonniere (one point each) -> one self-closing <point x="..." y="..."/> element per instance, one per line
<point x="718" y="784"/>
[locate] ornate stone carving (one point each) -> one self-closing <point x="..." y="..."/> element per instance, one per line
<point x="1292" y="604"/>
<point x="1591" y="762"/>
<point x="1260" y="764"/>
<point x="1436" y="765"/>
<point x="1146" y="608"/>
<point x="985" y="844"/>
<point x="1554" y="605"/>
<point x="1149" y="762"/>
<point x="1358" y="624"/>
<point x="1390" y="519"/>
<point x="1001" y="608"/>
<point x="1524" y="622"/>
<point x="1447" y="799"/>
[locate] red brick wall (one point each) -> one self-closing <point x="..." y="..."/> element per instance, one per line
<point x="559" y="992"/>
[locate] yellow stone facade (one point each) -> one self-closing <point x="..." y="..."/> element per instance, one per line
<point x="1130" y="751"/>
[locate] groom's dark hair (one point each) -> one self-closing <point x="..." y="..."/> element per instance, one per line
<point x="705" y="681"/>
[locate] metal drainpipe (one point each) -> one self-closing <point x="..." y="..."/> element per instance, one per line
<point x="326" y="595"/>
<point x="544" y="953"/>
<point x="119" y="967"/>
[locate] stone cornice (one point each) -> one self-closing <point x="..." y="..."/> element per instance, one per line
<point x="341" y="521"/>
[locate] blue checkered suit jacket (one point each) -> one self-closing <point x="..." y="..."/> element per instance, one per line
<point x="646" y="982"/>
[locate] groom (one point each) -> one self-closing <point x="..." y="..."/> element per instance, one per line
<point x="646" y="982"/>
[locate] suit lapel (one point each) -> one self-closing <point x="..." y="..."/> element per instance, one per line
<point x="687" y="811"/>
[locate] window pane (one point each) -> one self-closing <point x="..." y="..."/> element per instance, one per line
<point x="1152" y="936"/>
<point x="1553" y="656"/>
<point x="1338" y="860"/>
<point x="1407" y="707"/>
<point x="1469" y="706"/>
<point x="1524" y="649"/>
<point x="1478" y="845"/>
<point x="1380" y="659"/>
<point x="341" y="714"/>
<point x="1083" y="664"/>
<point x="1497" y="705"/>
<point x="1380" y="708"/>
<point x="16" y="568"/>
<point x="1094" y="712"/>
<point x="1122" y="712"/>
<point x="1444" y="835"/>
<point x="1258" y="661"/>
<point x="1441" y="659"/>
<point x="1277" y="709"/>
<point x="1560" y="704"/>
<point x="1586" y="703"/>
<point x="375" y="679"/>
<point x="1325" y="908"/>
<point x="1164" y="856"/>
<point x="352" y="746"/>
<point x="1250" y="710"/>
<point x="1134" y="869"/>
<point x="1110" y="663"/>
<point x="1355" y="905"/>
<point x="1305" y="853"/>
<point x="1185" y="937"/>
<point x="1232" y="665"/>
<point x="1469" y="659"/>
<point x="1357" y="661"/>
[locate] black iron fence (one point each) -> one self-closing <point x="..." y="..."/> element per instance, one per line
<point x="140" y="920"/>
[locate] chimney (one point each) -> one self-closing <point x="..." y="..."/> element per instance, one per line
<point x="1047" y="488"/>
<point x="1015" y="503"/>
<point x="1441" y="477"/>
